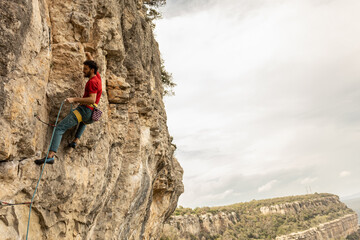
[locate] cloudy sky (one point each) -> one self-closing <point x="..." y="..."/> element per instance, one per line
<point x="267" y="100"/>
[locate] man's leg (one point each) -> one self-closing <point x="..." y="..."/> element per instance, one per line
<point x="68" y="122"/>
<point x="80" y="130"/>
<point x="78" y="134"/>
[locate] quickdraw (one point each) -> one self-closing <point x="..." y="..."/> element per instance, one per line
<point x="49" y="124"/>
<point x="75" y="111"/>
<point x="7" y="204"/>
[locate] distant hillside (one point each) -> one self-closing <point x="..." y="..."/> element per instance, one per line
<point x="349" y="197"/>
<point x="354" y="204"/>
<point x="313" y="214"/>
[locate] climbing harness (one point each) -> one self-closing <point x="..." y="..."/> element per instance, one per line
<point x="32" y="200"/>
<point x="78" y="115"/>
<point x="95" y="116"/>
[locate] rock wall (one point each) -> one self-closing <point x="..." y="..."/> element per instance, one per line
<point x="188" y="226"/>
<point x="298" y="206"/>
<point x="336" y="229"/>
<point x="122" y="181"/>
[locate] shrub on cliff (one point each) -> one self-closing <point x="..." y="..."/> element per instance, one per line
<point x="167" y="80"/>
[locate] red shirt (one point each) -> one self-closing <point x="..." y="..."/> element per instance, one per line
<point x="93" y="86"/>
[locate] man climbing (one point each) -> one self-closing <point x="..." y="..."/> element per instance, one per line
<point x="82" y="114"/>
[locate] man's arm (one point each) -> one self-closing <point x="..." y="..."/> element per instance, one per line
<point x="88" y="56"/>
<point x="87" y="100"/>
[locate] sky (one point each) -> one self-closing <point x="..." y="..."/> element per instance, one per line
<point x="267" y="97"/>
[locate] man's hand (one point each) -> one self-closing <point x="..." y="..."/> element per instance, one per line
<point x="88" y="56"/>
<point x="70" y="100"/>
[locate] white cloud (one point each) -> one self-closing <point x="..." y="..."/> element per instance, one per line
<point x="344" y="174"/>
<point x="308" y="180"/>
<point x="220" y="196"/>
<point x="268" y="186"/>
<point x="263" y="87"/>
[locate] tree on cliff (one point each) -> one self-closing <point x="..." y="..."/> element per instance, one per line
<point x="152" y="14"/>
<point x="167" y="80"/>
<point x="152" y="9"/>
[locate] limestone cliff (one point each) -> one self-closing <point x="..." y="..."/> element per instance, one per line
<point x="336" y="229"/>
<point x="324" y="217"/>
<point x="122" y="181"/>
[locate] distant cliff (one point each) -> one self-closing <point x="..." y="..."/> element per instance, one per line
<point x="336" y="229"/>
<point x="317" y="216"/>
<point x="122" y="181"/>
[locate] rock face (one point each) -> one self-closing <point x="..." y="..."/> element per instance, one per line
<point x="336" y="229"/>
<point x="298" y="206"/>
<point x="217" y="225"/>
<point x="122" y="181"/>
<point x="192" y="226"/>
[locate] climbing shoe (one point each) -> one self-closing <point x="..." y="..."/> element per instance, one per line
<point x="72" y="145"/>
<point x="42" y="161"/>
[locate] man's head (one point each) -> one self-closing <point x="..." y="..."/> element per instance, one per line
<point x="90" y="68"/>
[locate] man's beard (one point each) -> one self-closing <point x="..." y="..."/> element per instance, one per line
<point x="86" y="74"/>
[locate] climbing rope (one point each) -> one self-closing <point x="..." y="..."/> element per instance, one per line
<point x="32" y="200"/>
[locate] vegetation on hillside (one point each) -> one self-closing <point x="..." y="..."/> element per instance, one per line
<point x="249" y="205"/>
<point x="255" y="225"/>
